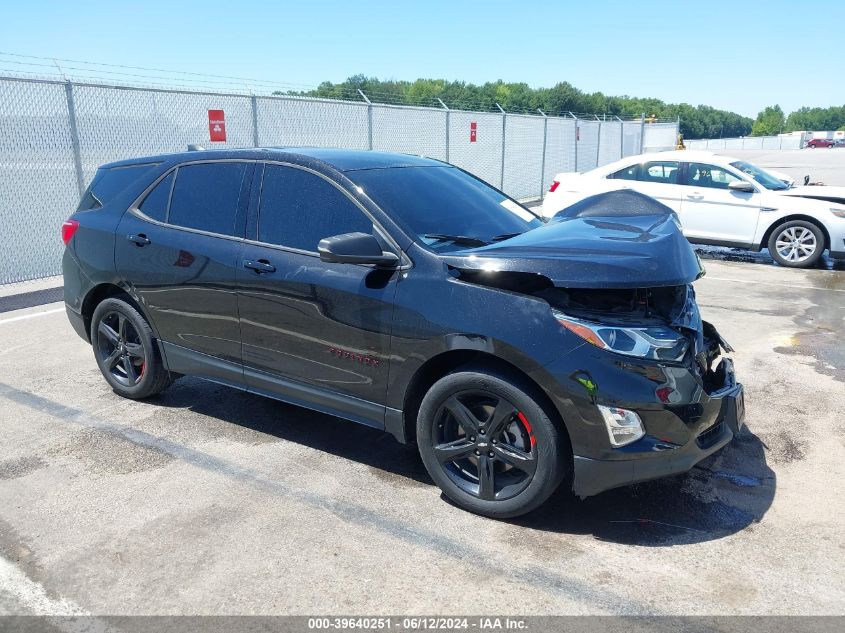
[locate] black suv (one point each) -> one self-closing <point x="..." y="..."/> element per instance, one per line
<point x="405" y="294"/>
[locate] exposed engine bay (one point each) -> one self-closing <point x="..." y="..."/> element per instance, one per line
<point x="639" y="309"/>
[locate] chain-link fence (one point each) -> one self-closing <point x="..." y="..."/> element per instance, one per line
<point x="793" y="141"/>
<point x="54" y="135"/>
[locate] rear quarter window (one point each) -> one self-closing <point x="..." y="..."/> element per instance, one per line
<point x="110" y="182"/>
<point x="155" y="204"/>
<point x="628" y="173"/>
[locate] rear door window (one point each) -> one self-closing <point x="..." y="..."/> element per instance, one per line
<point x="299" y="208"/>
<point x="206" y="196"/>
<point x="665" y="172"/>
<point x="711" y="176"/>
<point x="108" y="183"/>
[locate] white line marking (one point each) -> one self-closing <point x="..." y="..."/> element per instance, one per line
<point x="31" y="316"/>
<point x="771" y="283"/>
<point x="21" y="596"/>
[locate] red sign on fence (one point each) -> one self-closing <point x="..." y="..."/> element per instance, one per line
<point x="473" y="128"/>
<point x="216" y="125"/>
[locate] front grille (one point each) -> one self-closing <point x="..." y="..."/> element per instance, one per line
<point x="710" y="436"/>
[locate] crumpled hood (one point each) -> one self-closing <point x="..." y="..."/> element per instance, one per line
<point x="620" y="239"/>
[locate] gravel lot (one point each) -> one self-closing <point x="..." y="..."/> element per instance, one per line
<point x="207" y="500"/>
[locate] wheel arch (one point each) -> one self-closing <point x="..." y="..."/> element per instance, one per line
<point x="446" y="362"/>
<point x="764" y="243"/>
<point x="100" y="293"/>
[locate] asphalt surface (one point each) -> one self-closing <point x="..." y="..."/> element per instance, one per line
<point x="206" y="500"/>
<point x="821" y="164"/>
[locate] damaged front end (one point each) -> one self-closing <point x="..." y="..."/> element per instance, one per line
<point x="646" y="387"/>
<point x="661" y="324"/>
<point x="617" y="271"/>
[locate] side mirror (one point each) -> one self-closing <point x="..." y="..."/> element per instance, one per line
<point x="741" y="185"/>
<point x="355" y="248"/>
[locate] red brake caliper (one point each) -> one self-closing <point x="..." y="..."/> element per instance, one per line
<point x="527" y="426"/>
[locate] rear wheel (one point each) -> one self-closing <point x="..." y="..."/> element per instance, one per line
<point x="125" y="350"/>
<point x="489" y="446"/>
<point x="796" y="244"/>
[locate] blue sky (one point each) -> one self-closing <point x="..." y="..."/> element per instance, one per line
<point x="740" y="56"/>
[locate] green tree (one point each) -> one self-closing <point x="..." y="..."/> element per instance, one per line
<point x="770" y="121"/>
<point x="810" y="119"/>
<point x="696" y="121"/>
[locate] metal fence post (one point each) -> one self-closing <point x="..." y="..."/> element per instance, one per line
<point x="254" y="121"/>
<point x="504" y="126"/>
<point x="598" y="142"/>
<point x="74" y="138"/>
<point x="369" y="119"/>
<point x="621" y="137"/>
<point x="447" y="128"/>
<point x="575" y="142"/>
<point x="642" y="133"/>
<point x="543" y="161"/>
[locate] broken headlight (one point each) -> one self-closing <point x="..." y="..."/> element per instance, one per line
<point x="656" y="342"/>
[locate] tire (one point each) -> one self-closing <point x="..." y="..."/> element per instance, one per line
<point x="483" y="478"/>
<point x="126" y="351"/>
<point x="788" y="243"/>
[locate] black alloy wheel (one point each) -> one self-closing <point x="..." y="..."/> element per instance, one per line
<point x="120" y="347"/>
<point x="489" y="444"/>
<point x="126" y="350"/>
<point x="486" y="446"/>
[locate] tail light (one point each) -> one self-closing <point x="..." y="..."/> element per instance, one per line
<point x="555" y="185"/>
<point x="69" y="229"/>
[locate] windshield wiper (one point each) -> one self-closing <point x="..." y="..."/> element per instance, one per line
<point x="505" y="236"/>
<point x="457" y="239"/>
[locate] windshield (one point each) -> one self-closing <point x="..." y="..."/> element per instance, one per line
<point x="762" y="177"/>
<point x="446" y="208"/>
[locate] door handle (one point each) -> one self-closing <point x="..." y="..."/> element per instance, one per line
<point x="259" y="265"/>
<point x="138" y="240"/>
<point x="695" y="196"/>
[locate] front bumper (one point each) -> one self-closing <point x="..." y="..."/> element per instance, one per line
<point x="837" y="239"/>
<point x="686" y="416"/>
<point x="592" y="476"/>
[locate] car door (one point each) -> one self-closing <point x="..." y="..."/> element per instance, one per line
<point x="658" y="179"/>
<point x="711" y="212"/>
<point x="179" y="250"/>
<point x="313" y="331"/>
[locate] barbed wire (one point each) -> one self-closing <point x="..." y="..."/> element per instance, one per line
<point x="238" y="86"/>
<point x="159" y="70"/>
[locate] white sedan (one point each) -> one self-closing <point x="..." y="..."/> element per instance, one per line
<point x="720" y="200"/>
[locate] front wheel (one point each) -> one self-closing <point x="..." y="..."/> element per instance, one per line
<point x="489" y="446"/>
<point x="796" y="244"/>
